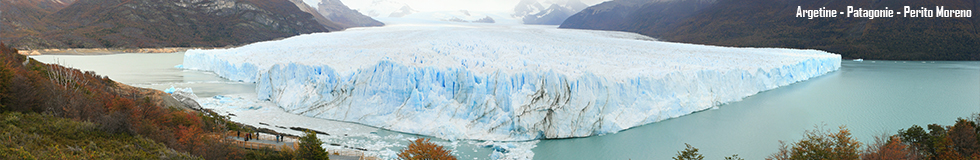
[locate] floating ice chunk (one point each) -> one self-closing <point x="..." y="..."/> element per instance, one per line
<point x="510" y="150"/>
<point x="170" y="90"/>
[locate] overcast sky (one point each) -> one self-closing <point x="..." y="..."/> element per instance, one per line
<point x="448" y="5"/>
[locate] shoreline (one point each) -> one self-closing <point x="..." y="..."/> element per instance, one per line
<point x="105" y="51"/>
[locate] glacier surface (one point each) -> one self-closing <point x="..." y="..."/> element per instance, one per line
<point x="500" y="82"/>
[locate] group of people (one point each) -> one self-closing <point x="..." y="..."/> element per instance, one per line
<point x="249" y="136"/>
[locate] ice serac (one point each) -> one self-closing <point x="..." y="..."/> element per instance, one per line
<point x="494" y="82"/>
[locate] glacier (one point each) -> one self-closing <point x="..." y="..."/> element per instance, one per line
<point x="503" y="82"/>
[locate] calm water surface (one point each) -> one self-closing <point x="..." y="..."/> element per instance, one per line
<point x="155" y="71"/>
<point x="870" y="98"/>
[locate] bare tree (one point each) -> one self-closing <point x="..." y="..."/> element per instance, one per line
<point x="67" y="77"/>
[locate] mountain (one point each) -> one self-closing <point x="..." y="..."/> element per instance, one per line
<point x="387" y="8"/>
<point x="330" y="25"/>
<point x="773" y="23"/>
<point x="403" y="11"/>
<point x="23" y="18"/>
<point x="546" y="12"/>
<point x="161" y="23"/>
<point x="337" y="12"/>
<point x="620" y="15"/>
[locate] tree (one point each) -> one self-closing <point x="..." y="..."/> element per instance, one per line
<point x="689" y="153"/>
<point x="422" y="149"/>
<point x="819" y="144"/>
<point x="918" y="138"/>
<point x="309" y="147"/>
<point x="889" y="148"/>
<point x="964" y="137"/>
<point x="734" y="157"/>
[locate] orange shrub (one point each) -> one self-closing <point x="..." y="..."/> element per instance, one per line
<point x="422" y="149"/>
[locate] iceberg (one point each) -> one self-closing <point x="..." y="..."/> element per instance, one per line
<point x="501" y="82"/>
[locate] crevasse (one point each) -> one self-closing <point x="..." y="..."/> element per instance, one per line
<point x="503" y="83"/>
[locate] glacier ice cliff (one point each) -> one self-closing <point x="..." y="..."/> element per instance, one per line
<point x="503" y="83"/>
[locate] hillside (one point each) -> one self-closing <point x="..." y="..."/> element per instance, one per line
<point x="624" y="15"/>
<point x="55" y="112"/>
<point x="22" y="19"/>
<point x="40" y="136"/>
<point x="154" y="23"/>
<point x="772" y="23"/>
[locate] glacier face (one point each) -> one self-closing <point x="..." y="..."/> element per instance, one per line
<point x="503" y="83"/>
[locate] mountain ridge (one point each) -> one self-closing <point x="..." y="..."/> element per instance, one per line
<point x="773" y="23"/>
<point x="161" y="23"/>
<point x="336" y="11"/>
<point x="549" y="13"/>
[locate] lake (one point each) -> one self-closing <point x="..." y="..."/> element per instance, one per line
<point x="870" y="97"/>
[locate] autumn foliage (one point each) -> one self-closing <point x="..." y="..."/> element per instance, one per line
<point x="27" y="85"/>
<point x="889" y="148"/>
<point x="422" y="149"/>
<point x="959" y="141"/>
<point x="821" y="144"/>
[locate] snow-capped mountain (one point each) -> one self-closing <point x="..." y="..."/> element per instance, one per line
<point x="386" y="8"/>
<point x="401" y="12"/>
<point x="547" y="12"/>
<point x="461" y="16"/>
<point x="337" y="12"/>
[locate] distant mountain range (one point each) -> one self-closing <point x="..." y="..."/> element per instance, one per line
<point x="387" y="8"/>
<point x="35" y="24"/>
<point x="540" y="12"/>
<point x="773" y="23"/>
<point x="547" y="12"/>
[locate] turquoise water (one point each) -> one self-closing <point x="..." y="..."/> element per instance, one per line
<point x="870" y="98"/>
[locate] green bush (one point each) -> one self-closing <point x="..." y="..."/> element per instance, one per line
<point x="821" y="144"/>
<point x="309" y="147"/>
<point x="960" y="141"/>
<point x="689" y="153"/>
